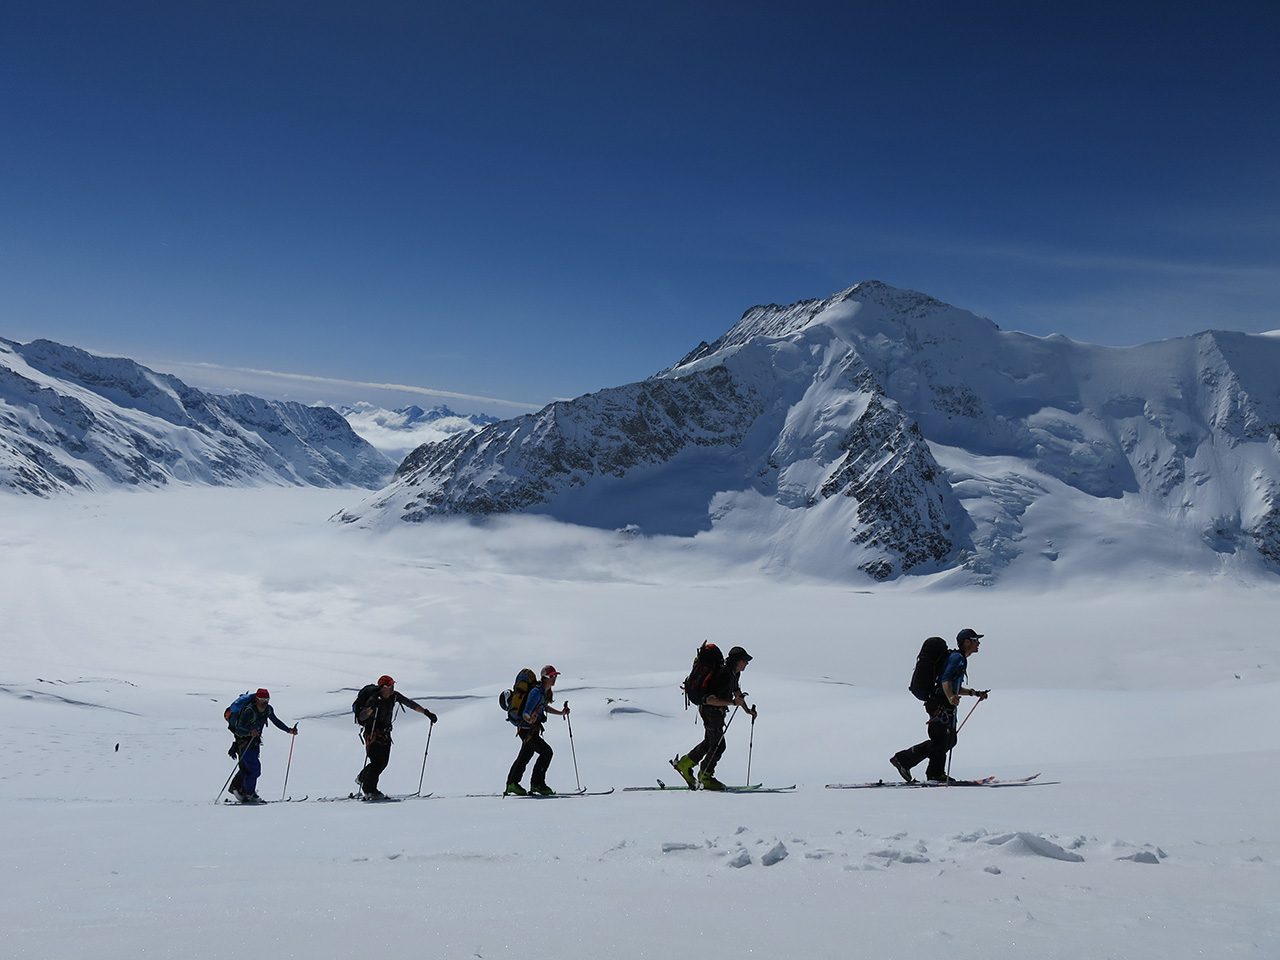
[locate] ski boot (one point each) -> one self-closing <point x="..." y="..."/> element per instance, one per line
<point x="684" y="767"/>
<point x="709" y="782"/>
<point x="541" y="790"/>
<point x="903" y="770"/>
<point x="514" y="789"/>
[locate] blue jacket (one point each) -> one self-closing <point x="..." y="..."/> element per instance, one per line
<point x="938" y="706"/>
<point x="535" y="706"/>
<point x="250" y="721"/>
<point x="954" y="672"/>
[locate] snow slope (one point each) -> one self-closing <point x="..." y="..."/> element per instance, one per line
<point x="73" y="421"/>
<point x="396" y="432"/>
<point x="131" y="621"/>
<point x="880" y="432"/>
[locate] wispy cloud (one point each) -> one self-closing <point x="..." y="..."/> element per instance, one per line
<point x="216" y="377"/>
<point x="1079" y="260"/>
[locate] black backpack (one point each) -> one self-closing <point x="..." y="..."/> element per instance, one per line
<point x="707" y="662"/>
<point x="365" y="698"/>
<point x="929" y="663"/>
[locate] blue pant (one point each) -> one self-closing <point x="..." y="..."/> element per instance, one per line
<point x="246" y="778"/>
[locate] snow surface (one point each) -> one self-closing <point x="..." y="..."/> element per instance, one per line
<point x="130" y="621"/>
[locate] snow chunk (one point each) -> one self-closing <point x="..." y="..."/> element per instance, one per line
<point x="1033" y="843"/>
<point x="1142" y="856"/>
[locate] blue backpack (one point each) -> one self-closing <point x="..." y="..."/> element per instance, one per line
<point x="232" y="713"/>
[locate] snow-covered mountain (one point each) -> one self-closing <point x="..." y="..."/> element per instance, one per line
<point x="71" y="420"/>
<point x="396" y="432"/>
<point x="406" y="418"/>
<point x="884" y="431"/>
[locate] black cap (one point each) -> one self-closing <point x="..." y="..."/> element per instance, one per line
<point x="967" y="634"/>
<point x="737" y="654"/>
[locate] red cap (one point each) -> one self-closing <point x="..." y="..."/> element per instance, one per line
<point x="550" y="671"/>
<point x="385" y="681"/>
<point x="263" y="694"/>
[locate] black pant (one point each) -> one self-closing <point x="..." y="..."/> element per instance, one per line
<point x="711" y="749"/>
<point x="942" y="737"/>
<point x="532" y="743"/>
<point x="378" y="755"/>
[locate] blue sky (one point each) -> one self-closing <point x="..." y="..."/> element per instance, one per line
<point x="518" y="201"/>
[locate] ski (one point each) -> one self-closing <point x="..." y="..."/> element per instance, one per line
<point x="538" y="796"/>
<point x="750" y="788"/>
<point x="231" y="801"/>
<point x="389" y="798"/>
<point x="902" y="784"/>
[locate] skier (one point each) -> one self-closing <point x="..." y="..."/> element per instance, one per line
<point x="724" y="693"/>
<point x="533" y="715"/>
<point x="375" y="711"/>
<point x="246" y="727"/>
<point x="941" y="707"/>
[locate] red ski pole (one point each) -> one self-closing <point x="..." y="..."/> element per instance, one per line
<point x="967" y="716"/>
<point x="283" y="789"/>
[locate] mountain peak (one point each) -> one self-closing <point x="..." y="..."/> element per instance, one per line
<point x="882" y="431"/>
<point x="865" y="310"/>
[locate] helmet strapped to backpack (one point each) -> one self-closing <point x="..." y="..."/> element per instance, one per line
<point x="929" y="663"/>
<point x="513" y="700"/>
<point x="707" y="662"/>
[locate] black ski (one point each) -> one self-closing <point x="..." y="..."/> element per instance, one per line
<point x="388" y="798"/>
<point x="750" y="788"/>
<point x="903" y="784"/>
<point x="552" y="796"/>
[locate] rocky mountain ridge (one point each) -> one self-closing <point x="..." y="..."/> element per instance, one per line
<point x="882" y="431"/>
<point x="71" y="420"/>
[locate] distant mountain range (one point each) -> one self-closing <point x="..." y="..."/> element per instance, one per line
<point x="882" y="431"/>
<point x="406" y="418"/>
<point x="70" y="420"/>
<point x="396" y="432"/>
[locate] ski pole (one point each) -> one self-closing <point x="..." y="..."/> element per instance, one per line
<point x="572" y="751"/>
<point x="957" y="733"/>
<point x="234" y="771"/>
<point x="365" y="766"/>
<point x="424" y="760"/>
<point x="751" y="745"/>
<point x="283" y="790"/>
<point x="968" y="715"/>
<point x="723" y="733"/>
